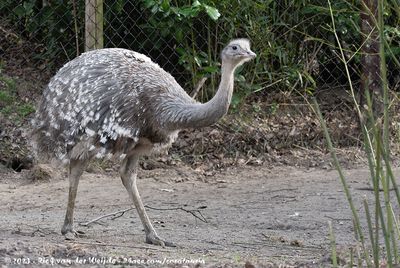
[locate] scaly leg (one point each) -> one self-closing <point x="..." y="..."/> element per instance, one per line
<point x="128" y="173"/>
<point x="76" y="168"/>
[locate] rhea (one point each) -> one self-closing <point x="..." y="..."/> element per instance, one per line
<point x="118" y="102"/>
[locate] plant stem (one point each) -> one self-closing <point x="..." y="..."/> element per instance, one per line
<point x="333" y="245"/>
<point x="374" y="243"/>
<point x="342" y="179"/>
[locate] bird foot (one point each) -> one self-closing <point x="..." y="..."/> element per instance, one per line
<point x="156" y="240"/>
<point x="72" y="234"/>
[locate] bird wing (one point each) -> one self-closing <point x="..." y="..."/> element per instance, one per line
<point x="105" y="94"/>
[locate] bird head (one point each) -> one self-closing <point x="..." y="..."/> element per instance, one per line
<point x="238" y="52"/>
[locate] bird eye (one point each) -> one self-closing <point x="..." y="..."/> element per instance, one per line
<point x="234" y="47"/>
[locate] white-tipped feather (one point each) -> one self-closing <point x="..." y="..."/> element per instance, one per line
<point x="109" y="97"/>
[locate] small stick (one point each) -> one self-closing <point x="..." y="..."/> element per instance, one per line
<point x="369" y="188"/>
<point x="105" y="216"/>
<point x="193" y="212"/>
<point x="197" y="88"/>
<point x="9" y="33"/>
<point x="115" y="245"/>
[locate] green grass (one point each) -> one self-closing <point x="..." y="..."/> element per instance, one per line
<point x="11" y="106"/>
<point x="382" y="224"/>
<point x="25" y="109"/>
<point x="10" y="84"/>
<point x="6" y="98"/>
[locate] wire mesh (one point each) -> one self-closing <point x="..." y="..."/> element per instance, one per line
<point x="295" y="43"/>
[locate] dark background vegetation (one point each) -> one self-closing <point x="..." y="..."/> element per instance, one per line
<point x="294" y="41"/>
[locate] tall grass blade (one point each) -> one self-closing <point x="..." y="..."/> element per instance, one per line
<point x="351" y="264"/>
<point x="386" y="141"/>
<point x="396" y="222"/>
<point x="333" y="245"/>
<point x="374" y="243"/>
<point x="342" y="179"/>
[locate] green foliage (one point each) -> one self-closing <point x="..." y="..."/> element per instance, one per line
<point x="183" y="22"/>
<point x="49" y="26"/>
<point x="7" y="110"/>
<point x="7" y="90"/>
<point x="182" y="12"/>
<point x="25" y="109"/>
<point x="293" y="39"/>
<point x="10" y="105"/>
<point x="292" y="55"/>
<point x="382" y="224"/>
<point x="9" y="83"/>
<point x="5" y="98"/>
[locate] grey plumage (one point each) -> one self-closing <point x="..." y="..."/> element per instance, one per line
<point x="118" y="102"/>
<point x="105" y="96"/>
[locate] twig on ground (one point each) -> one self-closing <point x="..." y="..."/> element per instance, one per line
<point x="193" y="212"/>
<point x="36" y="229"/>
<point x="9" y="33"/>
<point x="370" y="188"/>
<point x="246" y="245"/>
<point x="115" y="245"/>
<point x="121" y="212"/>
<point x="338" y="219"/>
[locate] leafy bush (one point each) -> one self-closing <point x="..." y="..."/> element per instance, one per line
<point x="48" y="26"/>
<point x="293" y="39"/>
<point x="10" y="105"/>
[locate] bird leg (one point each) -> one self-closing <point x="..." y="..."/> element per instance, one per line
<point x="128" y="173"/>
<point x="76" y="168"/>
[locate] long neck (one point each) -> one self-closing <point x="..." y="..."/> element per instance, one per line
<point x="199" y="115"/>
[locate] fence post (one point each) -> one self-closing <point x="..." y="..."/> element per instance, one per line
<point x="93" y="24"/>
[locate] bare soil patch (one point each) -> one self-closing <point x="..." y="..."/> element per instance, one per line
<point x="265" y="216"/>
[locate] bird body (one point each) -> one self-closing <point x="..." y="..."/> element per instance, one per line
<point x="108" y="100"/>
<point x="118" y="102"/>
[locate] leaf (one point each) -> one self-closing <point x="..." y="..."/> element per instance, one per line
<point x="149" y="3"/>
<point x="175" y="10"/>
<point x="189" y="11"/>
<point x="181" y="51"/>
<point x="19" y="11"/>
<point x="154" y="9"/>
<point x="197" y="60"/>
<point x="165" y="5"/>
<point x="212" y="12"/>
<point x="119" y="6"/>
<point x="179" y="35"/>
<point x="240" y="78"/>
<point x="196" y="4"/>
<point x="28" y="6"/>
<point x="211" y="69"/>
<point x="164" y="32"/>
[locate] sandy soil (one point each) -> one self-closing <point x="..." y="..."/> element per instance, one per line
<point x="261" y="215"/>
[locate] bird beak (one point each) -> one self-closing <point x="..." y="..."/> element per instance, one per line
<point x="251" y="54"/>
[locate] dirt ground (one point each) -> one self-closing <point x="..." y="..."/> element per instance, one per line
<point x="265" y="216"/>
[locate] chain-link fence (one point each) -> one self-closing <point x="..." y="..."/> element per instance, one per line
<point x="295" y="42"/>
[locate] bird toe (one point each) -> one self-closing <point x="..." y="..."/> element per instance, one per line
<point x="156" y="240"/>
<point x="73" y="234"/>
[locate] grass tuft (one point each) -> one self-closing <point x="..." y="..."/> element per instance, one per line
<point x="375" y="129"/>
